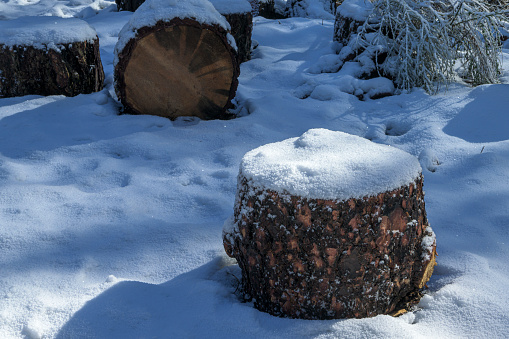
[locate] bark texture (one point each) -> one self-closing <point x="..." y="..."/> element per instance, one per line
<point x="325" y="259"/>
<point x="73" y="69"/>
<point x="178" y="68"/>
<point x="242" y="29"/>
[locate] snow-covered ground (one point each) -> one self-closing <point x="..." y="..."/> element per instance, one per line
<point x="110" y="225"/>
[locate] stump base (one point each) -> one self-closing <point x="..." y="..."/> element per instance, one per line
<point x="326" y="259"/>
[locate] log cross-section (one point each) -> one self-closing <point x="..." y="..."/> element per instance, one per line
<point x="178" y="68"/>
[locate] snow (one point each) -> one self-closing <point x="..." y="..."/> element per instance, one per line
<point x="153" y="11"/>
<point x="44" y="32"/>
<point x="316" y="9"/>
<point x="359" y="10"/>
<point x="324" y="164"/>
<point x="110" y="225"/>
<point x="231" y="6"/>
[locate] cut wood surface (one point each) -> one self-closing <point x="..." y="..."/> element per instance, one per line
<point x="178" y="68"/>
<point x="238" y="13"/>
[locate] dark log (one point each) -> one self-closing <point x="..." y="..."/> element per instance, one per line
<point x="72" y="69"/>
<point x="241" y="28"/>
<point x="324" y="259"/>
<point x="178" y="68"/>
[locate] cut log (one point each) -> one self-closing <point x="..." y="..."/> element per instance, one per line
<point x="63" y="57"/>
<point x="311" y="245"/>
<point x="238" y="13"/>
<point x="176" y="67"/>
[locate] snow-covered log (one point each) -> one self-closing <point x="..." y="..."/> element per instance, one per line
<point x="238" y="13"/>
<point x="176" y="59"/>
<point x="49" y="56"/>
<point x="330" y="225"/>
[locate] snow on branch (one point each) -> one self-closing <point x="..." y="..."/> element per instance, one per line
<point x="428" y="43"/>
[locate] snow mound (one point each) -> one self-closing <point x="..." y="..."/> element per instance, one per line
<point x="153" y="11"/>
<point x="44" y="31"/>
<point x="359" y="10"/>
<point x="231" y="6"/>
<point x="323" y="164"/>
<point x="315" y="9"/>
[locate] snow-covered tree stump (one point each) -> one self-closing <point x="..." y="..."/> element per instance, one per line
<point x="330" y="225"/>
<point x="175" y="58"/>
<point x="239" y="16"/>
<point x="49" y="56"/>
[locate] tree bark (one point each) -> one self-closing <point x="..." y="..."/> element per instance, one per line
<point x="74" y="69"/>
<point x="242" y="28"/>
<point x="325" y="259"/>
<point x="178" y="68"/>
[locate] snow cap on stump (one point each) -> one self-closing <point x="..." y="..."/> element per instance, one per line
<point x="323" y="164"/>
<point x="330" y="225"/>
<point x="44" y="32"/>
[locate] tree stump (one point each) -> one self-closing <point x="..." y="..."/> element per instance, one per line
<point x="330" y="225"/>
<point x="49" y="56"/>
<point x="172" y="67"/>
<point x="239" y="16"/>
